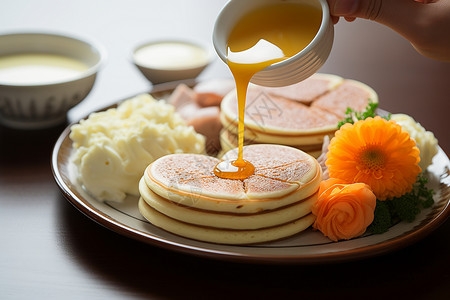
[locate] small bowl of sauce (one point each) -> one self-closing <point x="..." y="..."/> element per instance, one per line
<point x="296" y="34"/>
<point x="42" y="76"/>
<point x="171" y="60"/>
<point x="271" y="43"/>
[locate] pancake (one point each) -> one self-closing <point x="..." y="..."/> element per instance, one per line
<point x="227" y="220"/>
<point x="277" y="115"/>
<point x="229" y="141"/>
<point x="289" y="138"/>
<point x="283" y="175"/>
<point x="224" y="236"/>
<point x="300" y="115"/>
<point x="254" y="136"/>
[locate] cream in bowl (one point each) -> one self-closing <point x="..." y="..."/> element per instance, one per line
<point x="171" y="60"/>
<point x="42" y="76"/>
<point x="38" y="68"/>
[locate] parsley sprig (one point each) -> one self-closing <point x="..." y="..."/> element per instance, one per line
<point x="404" y="208"/>
<point x="353" y="116"/>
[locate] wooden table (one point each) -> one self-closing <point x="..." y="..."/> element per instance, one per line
<point x="49" y="250"/>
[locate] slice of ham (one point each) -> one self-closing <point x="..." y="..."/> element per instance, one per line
<point x="183" y="98"/>
<point x="205" y="120"/>
<point x="211" y="92"/>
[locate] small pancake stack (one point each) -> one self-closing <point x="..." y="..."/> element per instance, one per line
<point x="181" y="194"/>
<point x="299" y="115"/>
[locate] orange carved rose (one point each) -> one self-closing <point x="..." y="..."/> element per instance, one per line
<point x="343" y="211"/>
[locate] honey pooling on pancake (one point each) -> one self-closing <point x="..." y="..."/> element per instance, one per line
<point x="242" y="73"/>
<point x="234" y="169"/>
<point x="268" y="35"/>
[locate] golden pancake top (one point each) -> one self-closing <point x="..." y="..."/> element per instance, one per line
<point x="283" y="175"/>
<point x="277" y="162"/>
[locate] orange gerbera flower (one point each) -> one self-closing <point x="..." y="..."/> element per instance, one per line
<point x="375" y="152"/>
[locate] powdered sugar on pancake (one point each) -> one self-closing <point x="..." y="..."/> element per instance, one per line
<point x="276" y="113"/>
<point x="182" y="167"/>
<point x="212" y="185"/>
<point x="293" y="172"/>
<point x="279" y="170"/>
<point x="308" y="90"/>
<point x="260" y="185"/>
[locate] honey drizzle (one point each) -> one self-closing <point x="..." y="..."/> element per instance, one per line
<point x="283" y="30"/>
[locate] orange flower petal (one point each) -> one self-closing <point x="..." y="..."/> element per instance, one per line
<point x="325" y="184"/>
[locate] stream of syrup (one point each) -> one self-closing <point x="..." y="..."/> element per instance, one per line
<point x="261" y="38"/>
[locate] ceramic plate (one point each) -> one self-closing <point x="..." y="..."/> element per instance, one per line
<point x="307" y="247"/>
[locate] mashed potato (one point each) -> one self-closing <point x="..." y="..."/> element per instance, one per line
<point x="113" y="148"/>
<point x="425" y="140"/>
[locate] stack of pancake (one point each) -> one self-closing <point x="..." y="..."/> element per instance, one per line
<point x="299" y="115"/>
<point x="181" y="194"/>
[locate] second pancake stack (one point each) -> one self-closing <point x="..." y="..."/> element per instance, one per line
<point x="299" y="115"/>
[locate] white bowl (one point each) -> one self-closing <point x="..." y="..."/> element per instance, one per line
<point x="44" y="104"/>
<point x="287" y="72"/>
<point x="171" y="60"/>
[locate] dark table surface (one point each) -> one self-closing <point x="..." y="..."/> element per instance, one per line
<point x="50" y="250"/>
